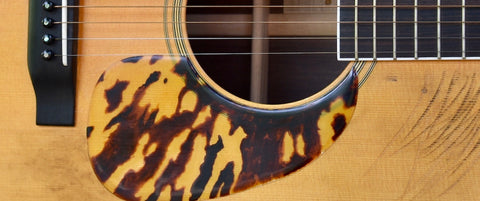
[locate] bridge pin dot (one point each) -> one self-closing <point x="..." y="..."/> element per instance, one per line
<point x="47" y="5"/>
<point x="47" y="22"/>
<point x="47" y="39"/>
<point x="47" y="54"/>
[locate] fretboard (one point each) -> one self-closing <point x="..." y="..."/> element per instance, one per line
<point x="408" y="29"/>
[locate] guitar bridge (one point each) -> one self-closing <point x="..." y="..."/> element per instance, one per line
<point x="51" y="63"/>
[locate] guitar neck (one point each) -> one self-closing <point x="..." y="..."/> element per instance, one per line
<point x="408" y="30"/>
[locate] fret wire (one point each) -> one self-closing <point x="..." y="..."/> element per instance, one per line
<point x="439" y="29"/>
<point x="356" y="29"/>
<point x="374" y="27"/>
<point x="338" y="53"/>
<point x="415" y="16"/>
<point x="394" y="32"/>
<point x="463" y="30"/>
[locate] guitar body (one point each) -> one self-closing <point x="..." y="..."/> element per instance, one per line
<point x="413" y="136"/>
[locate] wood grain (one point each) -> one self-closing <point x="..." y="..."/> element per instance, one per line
<point x="414" y="135"/>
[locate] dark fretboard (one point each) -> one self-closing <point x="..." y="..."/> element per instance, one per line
<point x="408" y="29"/>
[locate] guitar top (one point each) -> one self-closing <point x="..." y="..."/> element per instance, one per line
<point x="413" y="136"/>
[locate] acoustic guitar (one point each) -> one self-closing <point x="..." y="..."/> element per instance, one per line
<point x="111" y="94"/>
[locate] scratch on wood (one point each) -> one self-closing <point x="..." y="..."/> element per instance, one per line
<point x="441" y="137"/>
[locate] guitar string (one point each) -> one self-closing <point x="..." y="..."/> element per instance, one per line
<point x="273" y="6"/>
<point x="271" y="53"/>
<point x="276" y="38"/>
<point x="280" y="22"/>
<point x="266" y="22"/>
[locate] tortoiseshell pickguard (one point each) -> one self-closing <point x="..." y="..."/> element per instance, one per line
<point x="158" y="132"/>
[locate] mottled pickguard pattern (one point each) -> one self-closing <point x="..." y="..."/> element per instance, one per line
<point x="158" y="132"/>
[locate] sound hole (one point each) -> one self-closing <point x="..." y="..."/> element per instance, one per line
<point x="291" y="76"/>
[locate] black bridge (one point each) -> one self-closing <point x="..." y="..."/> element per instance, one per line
<point x="51" y="67"/>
